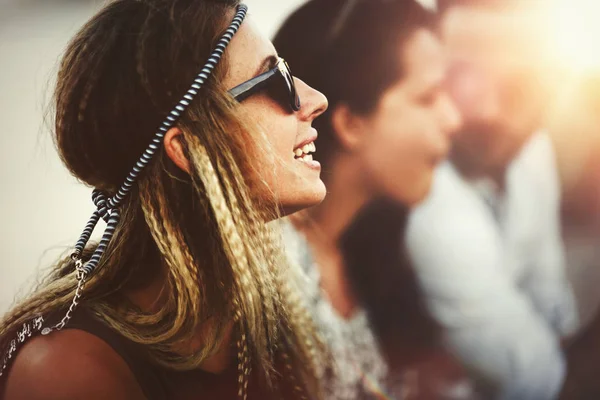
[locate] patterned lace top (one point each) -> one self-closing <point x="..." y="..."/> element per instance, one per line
<point x="360" y="369"/>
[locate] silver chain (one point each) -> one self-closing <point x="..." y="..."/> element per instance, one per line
<point x="81" y="279"/>
<point x="34" y="326"/>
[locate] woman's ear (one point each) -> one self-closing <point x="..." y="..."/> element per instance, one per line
<point x="348" y="127"/>
<point x="174" y="148"/>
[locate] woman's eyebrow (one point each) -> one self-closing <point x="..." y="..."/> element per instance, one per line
<point x="267" y="64"/>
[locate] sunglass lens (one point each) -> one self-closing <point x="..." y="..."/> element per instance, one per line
<point x="293" y="94"/>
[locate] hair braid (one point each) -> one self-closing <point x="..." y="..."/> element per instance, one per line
<point x="247" y="308"/>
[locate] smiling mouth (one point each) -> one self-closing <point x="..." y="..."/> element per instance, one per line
<point x="305" y="152"/>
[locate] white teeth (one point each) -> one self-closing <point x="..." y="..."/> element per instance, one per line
<point x="305" y="150"/>
<point x="307" y="157"/>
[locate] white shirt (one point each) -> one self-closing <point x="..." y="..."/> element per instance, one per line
<point x="491" y="266"/>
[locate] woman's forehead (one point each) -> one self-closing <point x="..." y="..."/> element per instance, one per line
<point x="246" y="53"/>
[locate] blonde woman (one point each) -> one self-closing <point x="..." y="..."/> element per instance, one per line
<point x="185" y="295"/>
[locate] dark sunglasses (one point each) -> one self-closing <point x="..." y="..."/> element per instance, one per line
<point x="280" y="75"/>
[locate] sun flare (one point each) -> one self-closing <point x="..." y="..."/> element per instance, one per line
<point x="575" y="32"/>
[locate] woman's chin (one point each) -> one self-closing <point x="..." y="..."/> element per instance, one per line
<point x="305" y="199"/>
<point x="420" y="194"/>
<point x="411" y="196"/>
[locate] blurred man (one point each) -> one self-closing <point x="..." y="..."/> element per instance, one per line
<point x="486" y="244"/>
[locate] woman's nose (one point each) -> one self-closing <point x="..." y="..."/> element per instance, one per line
<point x="313" y="103"/>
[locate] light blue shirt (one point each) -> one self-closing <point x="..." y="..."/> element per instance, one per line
<point x="491" y="265"/>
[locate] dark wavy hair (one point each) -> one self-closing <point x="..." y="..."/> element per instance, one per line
<point x="350" y="53"/>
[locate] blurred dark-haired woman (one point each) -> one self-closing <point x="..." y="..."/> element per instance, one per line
<point x="388" y="125"/>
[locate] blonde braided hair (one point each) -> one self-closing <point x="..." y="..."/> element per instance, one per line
<point x="203" y="233"/>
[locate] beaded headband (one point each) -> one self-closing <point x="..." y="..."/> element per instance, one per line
<point x="107" y="207"/>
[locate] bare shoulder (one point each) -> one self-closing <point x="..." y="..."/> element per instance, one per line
<point x="70" y="364"/>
